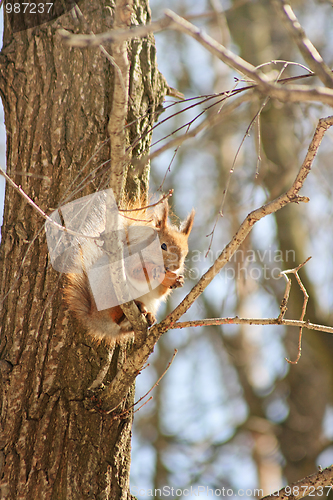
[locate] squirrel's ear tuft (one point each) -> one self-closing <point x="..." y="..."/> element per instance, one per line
<point x="162" y="221"/>
<point x="187" y="225"/>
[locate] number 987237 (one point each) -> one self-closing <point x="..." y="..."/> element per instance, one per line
<point x="29" y="8"/>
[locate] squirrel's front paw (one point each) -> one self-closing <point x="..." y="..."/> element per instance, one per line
<point x="178" y="282"/>
<point x="143" y="310"/>
<point x="171" y="280"/>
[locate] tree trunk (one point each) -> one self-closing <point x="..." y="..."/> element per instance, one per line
<point x="57" y="104"/>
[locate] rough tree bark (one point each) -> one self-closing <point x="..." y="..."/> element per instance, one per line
<point x="57" y="102"/>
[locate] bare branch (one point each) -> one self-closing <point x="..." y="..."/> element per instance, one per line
<point x="117" y="36"/>
<point x="231" y="59"/>
<point x="251" y="321"/>
<point x="287" y="94"/>
<point x="306" y="486"/>
<point x="284" y="303"/>
<point x="291" y="196"/>
<point x="142" y="349"/>
<point x="307" y="49"/>
<point x="305" y="302"/>
<point x="208" y="122"/>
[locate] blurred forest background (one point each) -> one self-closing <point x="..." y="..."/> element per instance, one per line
<point x="231" y="412"/>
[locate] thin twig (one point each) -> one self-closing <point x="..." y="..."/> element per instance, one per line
<point x="168" y="170"/>
<point x="254" y="120"/>
<point x="284" y="302"/>
<point x="250" y="321"/>
<point x="126" y="412"/>
<point x="224" y="95"/>
<point x="76" y="187"/>
<point x="305" y="302"/>
<point x="208" y="122"/>
<point x="161" y="200"/>
<point x="40" y="211"/>
<point x="307" y="49"/>
<point x="159" y="379"/>
<point x="138" y="409"/>
<point x="175" y="22"/>
<point x="204" y="99"/>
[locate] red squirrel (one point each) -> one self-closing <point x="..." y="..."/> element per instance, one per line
<point x="111" y="324"/>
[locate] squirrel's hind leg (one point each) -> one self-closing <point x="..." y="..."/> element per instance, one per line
<point x="143" y="310"/>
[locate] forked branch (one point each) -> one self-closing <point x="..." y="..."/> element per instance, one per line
<point x="269" y="321"/>
<point x="118" y="388"/>
<point x="307" y="49"/>
<point x="305" y="303"/>
<point x="288" y="93"/>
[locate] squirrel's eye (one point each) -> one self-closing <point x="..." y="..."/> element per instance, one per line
<point x="163" y="246"/>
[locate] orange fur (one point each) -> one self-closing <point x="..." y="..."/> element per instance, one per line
<point x="111" y="324"/>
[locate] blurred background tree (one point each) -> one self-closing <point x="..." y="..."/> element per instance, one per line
<point x="231" y="411"/>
